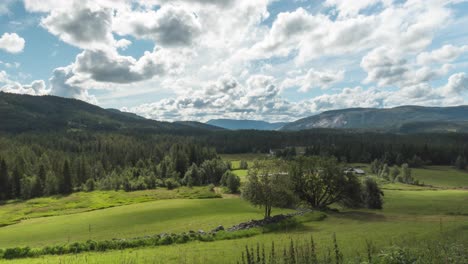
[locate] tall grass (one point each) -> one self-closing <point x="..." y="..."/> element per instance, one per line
<point x="439" y="251"/>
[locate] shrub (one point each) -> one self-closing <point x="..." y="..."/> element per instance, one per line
<point x="17" y="252"/>
<point x="372" y="194"/>
<point x="171" y="184"/>
<point x="243" y="165"/>
<point x="90" y="185"/>
<point x="166" y="240"/>
<point x="231" y="181"/>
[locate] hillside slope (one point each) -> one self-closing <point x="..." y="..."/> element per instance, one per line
<point x="407" y="119"/>
<point x="21" y="113"/>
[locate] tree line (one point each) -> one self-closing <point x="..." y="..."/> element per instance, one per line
<point x="36" y="165"/>
<point x="347" y="146"/>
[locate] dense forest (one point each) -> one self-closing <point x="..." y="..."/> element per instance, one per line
<point x="38" y="164"/>
<point x="33" y="165"/>
<point x="347" y="145"/>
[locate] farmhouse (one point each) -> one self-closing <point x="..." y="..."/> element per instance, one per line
<point x="355" y="171"/>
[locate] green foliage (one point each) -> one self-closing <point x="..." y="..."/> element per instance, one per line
<point x="372" y="194"/>
<point x="231" y="181"/>
<point x="90" y="185"/>
<point x="212" y="171"/>
<point x="376" y="166"/>
<point x="66" y="181"/>
<point x="121" y="244"/>
<point x="394" y="173"/>
<point x="406" y="174"/>
<point x="171" y="183"/>
<point x="268" y="187"/>
<point x="243" y="165"/>
<point x="416" y="162"/>
<point x="60" y="163"/>
<point x="460" y="163"/>
<point x="193" y="176"/>
<point x="4" y="183"/>
<point x="385" y="172"/>
<point x="320" y="182"/>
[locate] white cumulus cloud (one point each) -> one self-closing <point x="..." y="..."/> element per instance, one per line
<point x="12" y="43"/>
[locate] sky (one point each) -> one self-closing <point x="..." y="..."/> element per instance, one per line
<point x="272" y="60"/>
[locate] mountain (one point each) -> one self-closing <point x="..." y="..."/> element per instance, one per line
<point x="21" y="113"/>
<point x="232" y="124"/>
<point x="199" y="125"/>
<point x="404" y="119"/>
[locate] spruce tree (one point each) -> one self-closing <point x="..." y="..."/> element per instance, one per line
<point x="460" y="163"/>
<point x="66" y="186"/>
<point x="16" y="184"/>
<point x="4" y="186"/>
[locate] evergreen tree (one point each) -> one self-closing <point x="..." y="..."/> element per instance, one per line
<point x="41" y="176"/>
<point x="50" y="184"/>
<point x="399" y="159"/>
<point x="4" y="181"/>
<point x="66" y="184"/>
<point x="460" y="163"/>
<point x="16" y="184"/>
<point x="192" y="176"/>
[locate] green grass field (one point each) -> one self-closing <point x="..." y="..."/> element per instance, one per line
<point x="165" y="216"/>
<point x="242" y="174"/>
<point x="442" y="176"/>
<point x="437" y="176"/>
<point x="399" y="223"/>
<point x="411" y="215"/>
<point x="15" y="211"/>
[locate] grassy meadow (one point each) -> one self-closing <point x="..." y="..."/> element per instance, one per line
<point x="411" y="216"/>
<point x="15" y="211"/>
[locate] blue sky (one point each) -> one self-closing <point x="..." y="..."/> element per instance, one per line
<point x="273" y="60"/>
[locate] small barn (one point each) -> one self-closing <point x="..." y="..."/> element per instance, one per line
<point x="355" y="171"/>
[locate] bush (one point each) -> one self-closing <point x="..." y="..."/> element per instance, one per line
<point x="17" y="252"/>
<point x="243" y="165"/>
<point x="211" y="187"/>
<point x="90" y="185"/>
<point x="372" y="195"/>
<point x="171" y="184"/>
<point x="166" y="240"/>
<point x="231" y="181"/>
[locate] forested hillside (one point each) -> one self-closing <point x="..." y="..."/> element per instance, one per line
<point x="402" y="119"/>
<point x="51" y="145"/>
<point x="21" y="113"/>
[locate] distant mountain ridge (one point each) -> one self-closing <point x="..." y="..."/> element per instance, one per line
<point x="23" y="113"/>
<point x="404" y="119"/>
<point x="196" y="124"/>
<point x="233" y="124"/>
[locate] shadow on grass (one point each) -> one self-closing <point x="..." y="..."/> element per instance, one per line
<point x="296" y="223"/>
<point x="358" y="215"/>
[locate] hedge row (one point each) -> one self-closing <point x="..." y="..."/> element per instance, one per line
<point x="119" y="244"/>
